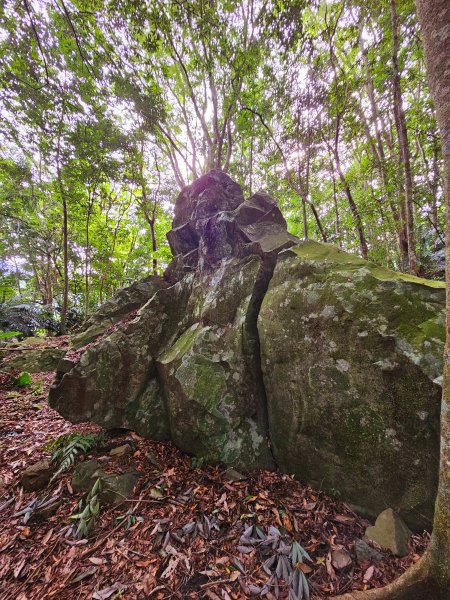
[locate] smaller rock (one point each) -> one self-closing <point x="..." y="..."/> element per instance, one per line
<point x="114" y="489"/>
<point x="121" y="450"/>
<point x="233" y="475"/>
<point x="117" y="488"/>
<point x="48" y="511"/>
<point x="36" y="477"/>
<point x="340" y="559"/>
<point x="366" y="554"/>
<point x="36" y="360"/>
<point x="85" y="474"/>
<point x="390" y="532"/>
<point x="104" y="459"/>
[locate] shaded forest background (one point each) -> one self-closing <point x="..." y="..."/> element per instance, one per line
<point x="109" y="108"/>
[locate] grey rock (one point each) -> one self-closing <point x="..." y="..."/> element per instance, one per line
<point x="331" y="326"/>
<point x="35" y="360"/>
<point x="341" y="559"/>
<point x="48" y="511"/>
<point x="85" y="474"/>
<point x="120" y="451"/>
<point x="233" y="475"/>
<point x="114" y="488"/>
<point x="36" y="476"/>
<point x="390" y="532"/>
<point x="365" y="553"/>
<point x="115" y="309"/>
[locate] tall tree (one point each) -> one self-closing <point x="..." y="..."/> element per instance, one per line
<point x="402" y="133"/>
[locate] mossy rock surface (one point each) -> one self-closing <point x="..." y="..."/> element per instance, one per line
<point x="114" y="381"/>
<point x="208" y="374"/>
<point x="117" y="308"/>
<point x="35" y="360"/>
<point x="245" y="353"/>
<point x="351" y="356"/>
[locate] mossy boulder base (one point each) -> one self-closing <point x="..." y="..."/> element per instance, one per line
<point x="259" y="350"/>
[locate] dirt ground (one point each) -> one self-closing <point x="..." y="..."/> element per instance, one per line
<point x="186" y="532"/>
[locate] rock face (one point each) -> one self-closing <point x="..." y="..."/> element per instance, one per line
<point x="36" y="476"/>
<point x="257" y="350"/>
<point x="116" y="308"/>
<point x="35" y="361"/>
<point x="351" y="357"/>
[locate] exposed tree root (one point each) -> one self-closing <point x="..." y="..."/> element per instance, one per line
<point x="416" y="584"/>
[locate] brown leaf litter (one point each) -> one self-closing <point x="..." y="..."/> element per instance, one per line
<point x="185" y="533"/>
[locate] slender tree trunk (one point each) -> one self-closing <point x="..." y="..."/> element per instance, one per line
<point x="337" y="220"/>
<point x="63" y="327"/>
<point x="87" y="260"/>
<point x="380" y="160"/>
<point x="405" y="155"/>
<point x="429" y="579"/>
<point x="251" y="158"/>
<point x="434" y="185"/>
<point x="353" y="208"/>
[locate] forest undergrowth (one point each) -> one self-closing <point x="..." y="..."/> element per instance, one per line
<point x="186" y="532"/>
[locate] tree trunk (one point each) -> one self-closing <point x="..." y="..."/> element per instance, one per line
<point x="429" y="579"/>
<point x="400" y="124"/>
<point x="337" y="221"/>
<point x="87" y="259"/>
<point x="65" y="239"/>
<point x="353" y="208"/>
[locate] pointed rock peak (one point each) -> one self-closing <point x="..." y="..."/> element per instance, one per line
<point x="211" y="193"/>
<point x="213" y="222"/>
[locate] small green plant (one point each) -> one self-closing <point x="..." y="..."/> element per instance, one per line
<point x="4" y="335"/>
<point x="23" y="380"/>
<point x="68" y="446"/>
<point x="88" y="510"/>
<point x="128" y="520"/>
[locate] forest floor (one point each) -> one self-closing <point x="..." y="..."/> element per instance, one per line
<point x="184" y="533"/>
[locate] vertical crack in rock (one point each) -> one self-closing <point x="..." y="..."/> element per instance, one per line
<point x="252" y="345"/>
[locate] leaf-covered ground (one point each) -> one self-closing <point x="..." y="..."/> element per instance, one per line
<point x="185" y="533"/>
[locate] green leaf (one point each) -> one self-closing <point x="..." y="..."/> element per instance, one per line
<point x="23" y="379"/>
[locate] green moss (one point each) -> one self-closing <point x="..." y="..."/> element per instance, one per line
<point x="147" y="414"/>
<point x="317" y="251"/>
<point x="183" y="344"/>
<point x="204" y="381"/>
<point x="432" y="329"/>
<point x="358" y="431"/>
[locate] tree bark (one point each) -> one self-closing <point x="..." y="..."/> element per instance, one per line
<point x="429" y="579"/>
<point x="405" y="156"/>
<point x="62" y="192"/>
<point x="87" y="257"/>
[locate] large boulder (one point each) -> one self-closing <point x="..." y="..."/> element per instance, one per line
<point x="257" y="349"/>
<point x="114" y="381"/>
<point x="210" y="374"/>
<point x="352" y="358"/>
